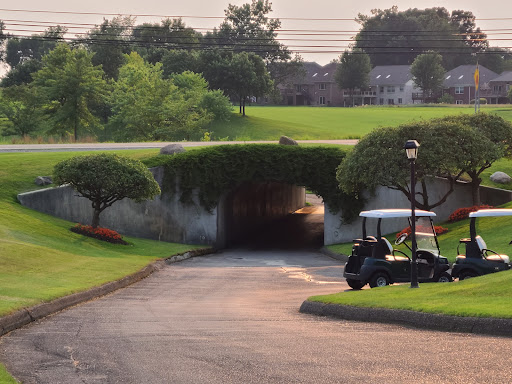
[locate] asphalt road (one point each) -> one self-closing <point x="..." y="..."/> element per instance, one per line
<point x="233" y="318"/>
<point x="146" y="145"/>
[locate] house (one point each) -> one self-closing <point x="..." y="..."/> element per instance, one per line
<point x="460" y="82"/>
<point x="496" y="90"/>
<point x="317" y="87"/>
<point x="392" y="85"/>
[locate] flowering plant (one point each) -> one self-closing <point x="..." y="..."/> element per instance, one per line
<point x="463" y="213"/>
<point x="437" y="228"/>
<point x="99" y="233"/>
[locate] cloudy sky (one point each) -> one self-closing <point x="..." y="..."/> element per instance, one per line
<point x="285" y="9"/>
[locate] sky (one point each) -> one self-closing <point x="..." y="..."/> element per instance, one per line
<point x="339" y="9"/>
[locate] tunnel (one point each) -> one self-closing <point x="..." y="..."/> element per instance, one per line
<point x="270" y="215"/>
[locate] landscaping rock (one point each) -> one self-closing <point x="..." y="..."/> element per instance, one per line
<point x="285" y="140"/>
<point x="500" y="178"/>
<point x="171" y="149"/>
<point x="43" y="180"/>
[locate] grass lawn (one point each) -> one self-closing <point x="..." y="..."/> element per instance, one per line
<point x="40" y="259"/>
<point x="485" y="296"/>
<point x="307" y="123"/>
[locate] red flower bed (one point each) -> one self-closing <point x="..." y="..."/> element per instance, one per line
<point x="99" y="233"/>
<point x="463" y="213"/>
<point x="439" y="230"/>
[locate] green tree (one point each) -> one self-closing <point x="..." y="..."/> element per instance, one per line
<point x="22" y="73"/>
<point x="2" y="38"/>
<point x="353" y="71"/>
<point x="510" y="94"/>
<point x="180" y="60"/>
<point x="21" y="106"/>
<point x="109" y="42"/>
<point x="70" y="84"/>
<point x="393" y="37"/>
<point x="428" y="73"/>
<point x="105" y="179"/>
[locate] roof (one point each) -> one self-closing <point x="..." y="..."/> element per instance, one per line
<point x="390" y="213"/>
<point x="491" y="212"/>
<point x="390" y="75"/>
<point x="505" y="76"/>
<point x="320" y="74"/>
<point x="464" y="75"/>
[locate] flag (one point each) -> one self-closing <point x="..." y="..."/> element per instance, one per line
<point x="477" y="77"/>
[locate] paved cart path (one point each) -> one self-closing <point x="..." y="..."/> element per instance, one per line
<point x="233" y="318"/>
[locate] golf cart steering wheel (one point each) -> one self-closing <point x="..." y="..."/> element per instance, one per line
<point x="400" y="239"/>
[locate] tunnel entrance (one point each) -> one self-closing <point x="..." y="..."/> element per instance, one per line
<point x="272" y="215"/>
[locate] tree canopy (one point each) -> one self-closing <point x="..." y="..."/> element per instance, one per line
<point x="353" y="71"/>
<point x="428" y="73"/>
<point x="105" y="179"/>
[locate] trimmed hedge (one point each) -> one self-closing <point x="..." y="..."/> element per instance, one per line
<point x="218" y="169"/>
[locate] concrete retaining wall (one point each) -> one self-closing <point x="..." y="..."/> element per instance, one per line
<point x="336" y="231"/>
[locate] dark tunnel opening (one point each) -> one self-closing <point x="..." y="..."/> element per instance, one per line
<point x="272" y="215"/>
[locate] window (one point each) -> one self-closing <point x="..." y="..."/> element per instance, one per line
<point x="401" y="88"/>
<point x="497" y="88"/>
<point x="381" y="89"/>
<point x="458" y="101"/>
<point x="391" y="89"/>
<point x="321" y="100"/>
<point x="298" y="88"/>
<point x="391" y="101"/>
<point x="381" y="101"/>
<point x="399" y="101"/>
<point x="321" y="86"/>
<point x="459" y="90"/>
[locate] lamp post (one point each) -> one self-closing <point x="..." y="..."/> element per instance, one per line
<point x="411" y="149"/>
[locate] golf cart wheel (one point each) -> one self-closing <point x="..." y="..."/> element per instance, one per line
<point x="355" y="284"/>
<point x="379" y="280"/>
<point x="444" y="277"/>
<point x="466" y="275"/>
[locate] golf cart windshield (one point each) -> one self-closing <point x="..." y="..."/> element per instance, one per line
<point x="425" y="235"/>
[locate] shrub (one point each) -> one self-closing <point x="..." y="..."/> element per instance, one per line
<point x="463" y="213"/>
<point x="99" y="233"/>
<point x="437" y="228"/>
<point x="446" y="99"/>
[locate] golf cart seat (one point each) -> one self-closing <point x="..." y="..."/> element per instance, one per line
<point x="494" y="256"/>
<point x="382" y="248"/>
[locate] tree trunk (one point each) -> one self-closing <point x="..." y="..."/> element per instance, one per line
<point x="244" y="106"/>
<point x="96" y="218"/>
<point x="475" y="190"/>
<point x="240" y="104"/>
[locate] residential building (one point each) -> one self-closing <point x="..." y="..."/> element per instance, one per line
<point x="496" y="90"/>
<point x="392" y="85"/>
<point x="460" y="82"/>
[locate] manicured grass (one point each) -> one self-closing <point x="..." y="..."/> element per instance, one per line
<point x="484" y="296"/>
<point x="306" y="123"/>
<point x="5" y="378"/>
<point x="40" y="258"/>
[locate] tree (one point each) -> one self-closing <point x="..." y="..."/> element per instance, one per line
<point x="109" y="42"/>
<point x="379" y="159"/>
<point x="2" y="38"/>
<point x="180" y="60"/>
<point x="21" y="106"/>
<point x="247" y="28"/>
<point x="510" y="94"/>
<point x="353" y="71"/>
<point x="71" y="84"/>
<point x="22" y="73"/>
<point x="391" y="37"/>
<point x="428" y="73"/>
<point x="105" y="179"/>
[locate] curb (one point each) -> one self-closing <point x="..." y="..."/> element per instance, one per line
<point x="326" y="251"/>
<point x="477" y="325"/>
<point x="27" y="315"/>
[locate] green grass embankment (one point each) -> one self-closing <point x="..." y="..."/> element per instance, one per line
<point x="40" y="258"/>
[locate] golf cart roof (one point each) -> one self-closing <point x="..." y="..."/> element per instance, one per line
<point x="491" y="212"/>
<point x="390" y="213"/>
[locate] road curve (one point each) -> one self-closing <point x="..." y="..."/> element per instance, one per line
<point x="120" y="146"/>
<point x="233" y="318"/>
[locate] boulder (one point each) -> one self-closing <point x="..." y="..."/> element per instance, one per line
<point x="43" y="180"/>
<point x="285" y="140"/>
<point x="171" y="149"/>
<point x="500" y="178"/>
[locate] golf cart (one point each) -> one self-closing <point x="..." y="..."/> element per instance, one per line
<point x="374" y="261"/>
<point x="479" y="260"/>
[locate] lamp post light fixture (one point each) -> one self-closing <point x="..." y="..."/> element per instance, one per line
<point x="411" y="149"/>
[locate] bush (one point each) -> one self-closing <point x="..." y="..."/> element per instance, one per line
<point x="483" y="100"/>
<point x="99" y="233"/>
<point x="446" y="99"/>
<point x="437" y="228"/>
<point x="463" y="213"/>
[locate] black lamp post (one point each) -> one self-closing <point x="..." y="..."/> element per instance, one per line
<point x="411" y="148"/>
